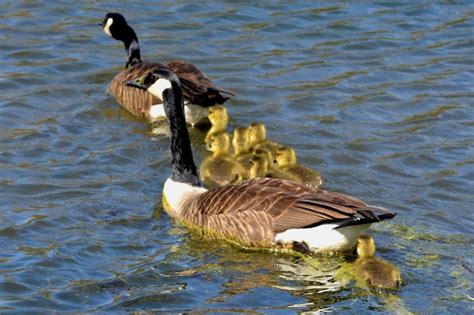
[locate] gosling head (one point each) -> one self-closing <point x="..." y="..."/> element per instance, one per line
<point x="219" y="143"/>
<point x="218" y="116"/>
<point x="285" y="156"/>
<point x="240" y="141"/>
<point x="258" y="133"/>
<point x="365" y="246"/>
<point x="264" y="154"/>
<point x="258" y="166"/>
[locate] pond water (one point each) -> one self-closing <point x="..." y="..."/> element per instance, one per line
<point x="377" y="96"/>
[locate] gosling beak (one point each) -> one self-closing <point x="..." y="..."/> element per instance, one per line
<point x="138" y="83"/>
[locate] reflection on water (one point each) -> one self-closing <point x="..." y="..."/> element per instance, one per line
<point x="377" y="97"/>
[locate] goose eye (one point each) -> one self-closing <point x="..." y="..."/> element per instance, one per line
<point x="155" y="77"/>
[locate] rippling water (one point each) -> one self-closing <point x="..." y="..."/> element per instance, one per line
<point x="377" y="97"/>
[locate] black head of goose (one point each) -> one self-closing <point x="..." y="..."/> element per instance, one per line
<point x="262" y="212"/>
<point x="198" y="90"/>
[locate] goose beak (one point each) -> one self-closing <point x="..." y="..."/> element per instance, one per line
<point x="138" y="83"/>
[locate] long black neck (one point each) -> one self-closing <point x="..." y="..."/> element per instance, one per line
<point x="184" y="169"/>
<point x="132" y="48"/>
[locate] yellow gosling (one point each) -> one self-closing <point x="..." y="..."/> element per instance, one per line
<point x="272" y="172"/>
<point x="218" y="168"/>
<point x="285" y="158"/>
<point x="258" y="138"/>
<point x="219" y="119"/>
<point x="374" y="271"/>
<point x="258" y="167"/>
<point x="240" y="143"/>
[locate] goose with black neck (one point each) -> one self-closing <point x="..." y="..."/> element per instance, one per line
<point x="198" y="90"/>
<point x="263" y="212"/>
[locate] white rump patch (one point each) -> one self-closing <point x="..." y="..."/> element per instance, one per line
<point x="107" y="26"/>
<point x="176" y="193"/>
<point x="325" y="237"/>
<point x="158" y="87"/>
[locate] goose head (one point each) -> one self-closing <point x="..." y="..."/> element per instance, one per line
<point x="285" y="156"/>
<point x="158" y="82"/>
<point x="115" y="25"/>
<point x="365" y="246"/>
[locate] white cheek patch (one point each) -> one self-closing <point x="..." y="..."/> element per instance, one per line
<point x="107" y="26"/>
<point x="158" y="87"/>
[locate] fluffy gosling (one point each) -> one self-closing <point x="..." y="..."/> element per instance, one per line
<point x="285" y="158"/>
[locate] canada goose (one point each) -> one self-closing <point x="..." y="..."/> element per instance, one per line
<point x="219" y="119"/>
<point x="268" y="165"/>
<point x="219" y="168"/>
<point x="263" y="212"/>
<point x="258" y="138"/>
<point x="198" y="90"/>
<point x="285" y="158"/>
<point x="375" y="271"/>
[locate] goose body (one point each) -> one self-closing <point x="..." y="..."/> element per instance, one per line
<point x="285" y="158"/>
<point x="262" y="212"/>
<point x="375" y="271"/>
<point x="198" y="90"/>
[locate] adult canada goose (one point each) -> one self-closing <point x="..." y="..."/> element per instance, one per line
<point x="219" y="119"/>
<point x="263" y="161"/>
<point x="198" y="90"/>
<point x="285" y="158"/>
<point x="263" y="212"/>
<point x="258" y="138"/>
<point x="375" y="271"/>
<point x="219" y="168"/>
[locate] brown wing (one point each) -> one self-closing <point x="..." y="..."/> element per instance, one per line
<point x="135" y="100"/>
<point x="253" y="211"/>
<point x="196" y="86"/>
